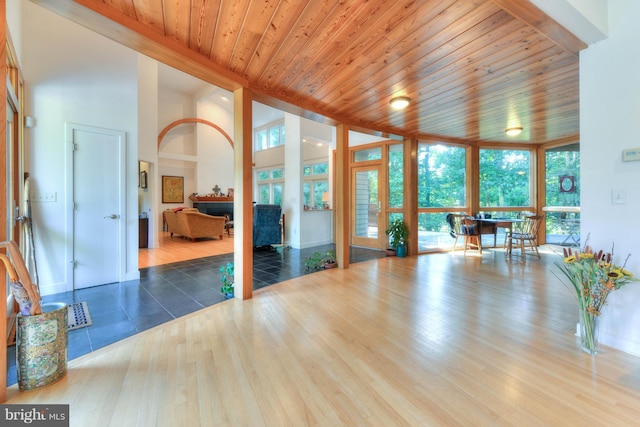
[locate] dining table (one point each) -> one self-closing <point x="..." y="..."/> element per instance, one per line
<point x="491" y="225"/>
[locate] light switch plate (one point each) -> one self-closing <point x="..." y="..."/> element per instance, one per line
<point x="631" y="154"/>
<point x="44" y="197"/>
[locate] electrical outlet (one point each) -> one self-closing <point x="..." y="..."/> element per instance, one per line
<point x="44" y="197"/>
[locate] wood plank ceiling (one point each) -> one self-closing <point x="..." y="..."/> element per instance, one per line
<point x="471" y="67"/>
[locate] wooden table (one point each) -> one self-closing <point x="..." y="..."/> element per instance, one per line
<point x="491" y="225"/>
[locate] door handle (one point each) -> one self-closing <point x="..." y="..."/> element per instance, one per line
<point x="112" y="216"/>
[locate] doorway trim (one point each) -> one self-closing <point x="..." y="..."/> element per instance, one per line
<point x="365" y="241"/>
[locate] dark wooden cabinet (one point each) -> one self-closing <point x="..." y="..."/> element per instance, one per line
<point x="143" y="232"/>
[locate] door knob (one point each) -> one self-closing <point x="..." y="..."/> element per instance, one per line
<point x="112" y="216"/>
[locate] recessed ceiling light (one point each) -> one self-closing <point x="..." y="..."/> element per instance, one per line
<point x="400" y="102"/>
<point x="513" y="131"/>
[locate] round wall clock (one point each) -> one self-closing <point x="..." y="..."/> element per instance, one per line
<point x="567" y="184"/>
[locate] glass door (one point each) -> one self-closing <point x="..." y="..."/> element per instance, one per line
<point x="366" y="209"/>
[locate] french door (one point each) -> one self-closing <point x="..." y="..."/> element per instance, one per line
<point x="366" y="208"/>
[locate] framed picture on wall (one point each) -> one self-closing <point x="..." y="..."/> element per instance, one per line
<point x="172" y="189"/>
<point x="143" y="179"/>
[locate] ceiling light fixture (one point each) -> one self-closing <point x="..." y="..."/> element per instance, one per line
<point x="514" y="131"/>
<point x="400" y="102"/>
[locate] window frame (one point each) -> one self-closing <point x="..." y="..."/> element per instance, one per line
<point x="509" y="210"/>
<point x="312" y="179"/>
<point x="271" y="183"/>
<point x="267" y="131"/>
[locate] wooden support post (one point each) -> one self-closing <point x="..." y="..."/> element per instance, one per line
<point x="473" y="179"/>
<point x="410" y="152"/>
<point x="343" y="194"/>
<point x="243" y="194"/>
<point x="3" y="194"/>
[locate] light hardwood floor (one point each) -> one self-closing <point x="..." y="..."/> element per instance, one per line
<point x="175" y="249"/>
<point x="434" y="340"/>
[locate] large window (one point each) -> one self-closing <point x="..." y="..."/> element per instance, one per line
<point x="563" y="176"/>
<point x="562" y="189"/>
<point x="269" y="136"/>
<point x="442" y="172"/>
<point x="366" y="155"/>
<point x="441" y="176"/>
<point x="396" y="176"/>
<point x="315" y="187"/>
<point x="505" y="178"/>
<point x="270" y="185"/>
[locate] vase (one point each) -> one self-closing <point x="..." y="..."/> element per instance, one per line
<point x="401" y="250"/>
<point x="41" y="342"/>
<point x="589" y="329"/>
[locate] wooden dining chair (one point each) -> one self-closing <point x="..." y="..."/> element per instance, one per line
<point x="467" y="228"/>
<point x="527" y="234"/>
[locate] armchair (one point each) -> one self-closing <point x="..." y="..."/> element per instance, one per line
<point x="267" y="227"/>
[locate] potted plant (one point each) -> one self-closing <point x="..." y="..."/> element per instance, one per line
<point x="226" y="272"/>
<point x="321" y="260"/>
<point x="398" y="233"/>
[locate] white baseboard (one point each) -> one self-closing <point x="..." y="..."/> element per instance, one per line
<point x="316" y="243"/>
<point x="132" y="275"/>
<point x="56" y="288"/>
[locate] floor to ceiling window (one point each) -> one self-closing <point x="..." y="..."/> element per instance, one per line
<point x="505" y="187"/>
<point x="562" y="200"/>
<point x="442" y="176"/>
<point x="505" y="182"/>
<point x="395" y="187"/>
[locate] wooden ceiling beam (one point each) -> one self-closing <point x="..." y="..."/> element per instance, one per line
<point x="531" y="15"/>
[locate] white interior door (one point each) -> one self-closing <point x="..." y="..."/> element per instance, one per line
<point x="98" y="206"/>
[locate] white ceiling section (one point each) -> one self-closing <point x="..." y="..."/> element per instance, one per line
<point x="586" y="19"/>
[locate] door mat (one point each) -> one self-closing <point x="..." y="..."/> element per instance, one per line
<point x="78" y="315"/>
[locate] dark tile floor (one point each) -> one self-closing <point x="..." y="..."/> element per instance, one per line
<point x="165" y="292"/>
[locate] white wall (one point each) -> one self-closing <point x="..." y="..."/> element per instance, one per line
<point x="82" y="86"/>
<point x="148" y="144"/>
<point x="180" y="141"/>
<point x="14" y="24"/>
<point x="292" y="195"/>
<point x="609" y="117"/>
<point x="215" y="153"/>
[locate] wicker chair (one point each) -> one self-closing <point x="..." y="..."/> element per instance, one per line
<point x="191" y="223"/>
